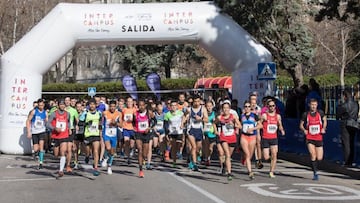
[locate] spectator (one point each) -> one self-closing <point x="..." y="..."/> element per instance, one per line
<point x="347" y="113"/>
<point x="314" y="93"/>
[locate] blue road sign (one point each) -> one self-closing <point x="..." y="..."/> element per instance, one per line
<point x="267" y="71"/>
<point x="91" y="91"/>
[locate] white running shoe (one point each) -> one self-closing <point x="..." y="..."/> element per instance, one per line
<point x="109" y="171"/>
<point x="104" y="163"/>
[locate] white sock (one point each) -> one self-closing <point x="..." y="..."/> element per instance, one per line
<point x="62" y="163"/>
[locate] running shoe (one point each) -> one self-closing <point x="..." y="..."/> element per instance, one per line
<point x="221" y="170"/>
<point x="40" y="167"/>
<point x="87" y="159"/>
<point x="128" y="161"/>
<point x="191" y="165"/>
<point x="251" y="175"/>
<point x="207" y="163"/>
<point x="315" y="177"/>
<point x="199" y="158"/>
<point x="173" y="165"/>
<point x="104" y="163"/>
<point x="179" y="155"/>
<point x="259" y="165"/>
<point x="109" y="171"/>
<point x="271" y="175"/>
<point x="167" y="156"/>
<point x="60" y="174"/>
<point x="229" y="177"/>
<point x="243" y="161"/>
<point x="96" y="172"/>
<point x="141" y="174"/>
<point x="68" y="169"/>
<point x="149" y="167"/>
<point x="77" y="166"/>
<point x="196" y="168"/>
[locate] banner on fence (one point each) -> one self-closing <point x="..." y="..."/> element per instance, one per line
<point x="130" y="86"/>
<point x="153" y="81"/>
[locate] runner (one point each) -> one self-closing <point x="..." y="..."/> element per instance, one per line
<point x="271" y="123"/>
<point x="256" y="109"/>
<point x="93" y="132"/>
<point x="250" y="126"/>
<point x="183" y="106"/>
<point x="36" y="129"/>
<point x="174" y="125"/>
<point x="159" y="139"/>
<point x="225" y="129"/>
<point x="59" y="124"/>
<point x="152" y="124"/>
<point x="142" y="135"/>
<point x="111" y="122"/>
<point x="210" y="136"/>
<point x="120" y="107"/>
<point x="128" y="128"/>
<point x="74" y="118"/>
<point x="314" y="130"/>
<point x="196" y="115"/>
<point x="79" y="134"/>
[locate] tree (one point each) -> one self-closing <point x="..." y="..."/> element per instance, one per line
<point x="346" y="14"/>
<point x="279" y="26"/>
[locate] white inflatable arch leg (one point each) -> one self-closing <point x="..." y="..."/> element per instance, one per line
<point x="68" y="25"/>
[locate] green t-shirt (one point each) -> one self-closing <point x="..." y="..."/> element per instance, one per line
<point x="73" y="114"/>
<point x="174" y="122"/>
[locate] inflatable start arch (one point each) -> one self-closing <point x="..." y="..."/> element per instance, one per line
<point x="68" y="25"/>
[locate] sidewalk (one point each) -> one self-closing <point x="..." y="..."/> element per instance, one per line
<point x="325" y="165"/>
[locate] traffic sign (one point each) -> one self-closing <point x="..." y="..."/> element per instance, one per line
<point x="91" y="91"/>
<point x="266" y="71"/>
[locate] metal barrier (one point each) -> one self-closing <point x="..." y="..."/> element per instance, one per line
<point x="331" y="96"/>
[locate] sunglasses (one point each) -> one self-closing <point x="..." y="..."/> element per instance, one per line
<point x="247" y="106"/>
<point x="271" y="105"/>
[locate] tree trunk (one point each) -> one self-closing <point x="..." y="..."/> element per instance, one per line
<point x="343" y="59"/>
<point x="297" y="75"/>
<point x="15" y="23"/>
<point x="74" y="63"/>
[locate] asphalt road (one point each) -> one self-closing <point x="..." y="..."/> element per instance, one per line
<point x="20" y="181"/>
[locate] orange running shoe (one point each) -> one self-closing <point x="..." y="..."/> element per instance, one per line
<point x="167" y="156"/>
<point x="68" y="169"/>
<point x="141" y="174"/>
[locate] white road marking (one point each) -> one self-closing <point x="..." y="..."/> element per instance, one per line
<point x="8" y="158"/>
<point x="202" y="191"/>
<point x="317" y="191"/>
<point x="35" y="179"/>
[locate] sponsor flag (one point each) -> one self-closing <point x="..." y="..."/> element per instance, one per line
<point x="153" y="81"/>
<point x="130" y="86"/>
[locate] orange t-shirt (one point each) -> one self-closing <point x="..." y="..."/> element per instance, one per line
<point x="128" y="117"/>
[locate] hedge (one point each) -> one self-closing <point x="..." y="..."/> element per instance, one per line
<point x="323" y="80"/>
<point x="166" y="84"/>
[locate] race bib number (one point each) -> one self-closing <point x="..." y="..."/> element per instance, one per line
<point x="39" y="123"/>
<point x="93" y="128"/>
<point x="314" y="129"/>
<point x="175" y="130"/>
<point x="245" y="127"/>
<point x="208" y="127"/>
<point x="196" y="124"/>
<point x="159" y="125"/>
<point x="128" y="117"/>
<point x="143" y="125"/>
<point x="272" y="128"/>
<point x="228" y="130"/>
<point x="61" y="125"/>
<point x="111" y="132"/>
